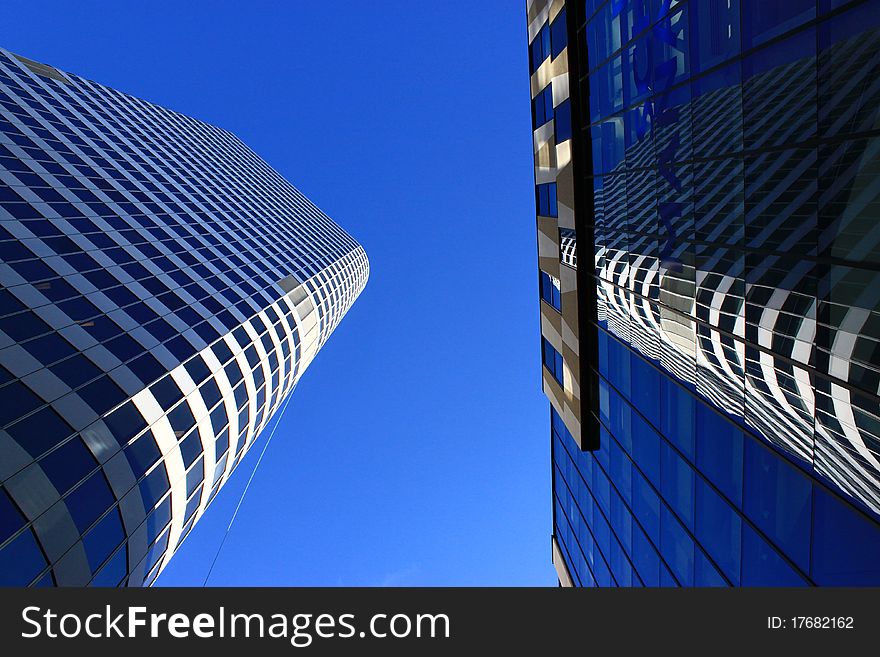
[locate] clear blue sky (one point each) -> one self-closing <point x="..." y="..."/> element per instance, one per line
<point x="416" y="448"/>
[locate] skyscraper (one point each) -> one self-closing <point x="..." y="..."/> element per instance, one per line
<point x="712" y="360"/>
<point x="163" y="290"/>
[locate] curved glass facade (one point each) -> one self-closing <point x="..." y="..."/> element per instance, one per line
<point x="725" y="162"/>
<point x="163" y="290"/>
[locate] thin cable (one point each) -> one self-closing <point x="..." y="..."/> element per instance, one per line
<point x="247" y="486"/>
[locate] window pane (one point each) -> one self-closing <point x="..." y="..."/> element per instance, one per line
<point x="21" y="561"/>
<point x="562" y="122"/>
<point x="778" y="499"/>
<point x="68" y="465"/>
<point x="677" y="548"/>
<point x="718" y="529"/>
<point x="678" y="485"/>
<point x="11" y="519"/>
<point x="103" y="539"/>
<point x="845" y="544"/>
<point x="558" y="34"/>
<point x="720" y="452"/>
<point x="39" y="432"/>
<point x="762" y="566"/>
<point x="90" y="500"/>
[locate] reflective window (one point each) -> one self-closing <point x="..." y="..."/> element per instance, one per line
<point x="763" y="566"/>
<point x="678" y="485"/>
<point x="720" y="452"/>
<point x="40" y="431"/>
<point x="845" y="544"/>
<point x="68" y="465"/>
<point x="546" y="200"/>
<point x="11" y="519"/>
<point x="550" y="291"/>
<point x="539" y="49"/>
<point x="542" y="107"/>
<point x="719" y="530"/>
<point x="677" y="548"/>
<point x="114" y="571"/>
<point x="562" y="122"/>
<point x="89" y="500"/>
<point x="778" y="500"/>
<point x="553" y="361"/>
<point x="21" y="560"/>
<point x="103" y="539"/>
<point x="558" y="34"/>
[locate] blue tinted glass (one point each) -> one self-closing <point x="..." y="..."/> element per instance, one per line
<point x="552" y="361"/>
<point x="603" y="353"/>
<point x="705" y="573"/>
<point x="21" y="561"/>
<point x="558" y="34"/>
<point x="646" y="505"/>
<point x="113" y="571"/>
<point x="159" y="517"/>
<point x="714" y="35"/>
<point x="677" y="548"/>
<point x="763" y="21"/>
<point x="562" y="124"/>
<point x="620" y="566"/>
<point x="646" y="559"/>
<point x="720" y="452"/>
<point x="677" y="416"/>
<point x="181" y="418"/>
<point x="11" y="519"/>
<point x="620" y="470"/>
<point x="778" y="499"/>
<point x="646" y="449"/>
<point x="39" y="432"/>
<point x="719" y="530"/>
<point x="845" y="544"/>
<point x="192" y="505"/>
<point x="620" y="420"/>
<point x="551" y="194"/>
<point x="550" y="292"/>
<point x="618" y="365"/>
<point x="153" y="486"/>
<point x="678" y="485"/>
<point x="125" y="422"/>
<point x="191" y="448"/>
<point x="90" y="499"/>
<point x="68" y="465"/>
<point x="142" y="453"/>
<point x="545" y="42"/>
<point x="45" y="581"/>
<point x="17" y="400"/>
<point x="666" y="578"/>
<point x="548" y="103"/>
<point x="646" y="389"/>
<point x="194" y="477"/>
<point x="103" y="539"/>
<point x="762" y="566"/>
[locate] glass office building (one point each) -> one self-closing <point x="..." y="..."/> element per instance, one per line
<point x="162" y="290"/>
<point x="713" y="365"/>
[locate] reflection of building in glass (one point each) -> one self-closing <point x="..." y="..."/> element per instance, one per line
<point x="727" y="176"/>
<point x="162" y="290"/>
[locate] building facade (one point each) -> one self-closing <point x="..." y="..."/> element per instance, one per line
<point x="713" y="364"/>
<point x="162" y="290"/>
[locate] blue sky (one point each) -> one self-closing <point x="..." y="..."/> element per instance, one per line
<point x="416" y="448"/>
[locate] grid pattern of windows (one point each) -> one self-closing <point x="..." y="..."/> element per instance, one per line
<point x="728" y="186"/>
<point x="163" y="289"/>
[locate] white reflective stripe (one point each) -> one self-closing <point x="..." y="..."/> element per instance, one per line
<point x="172" y="459"/>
